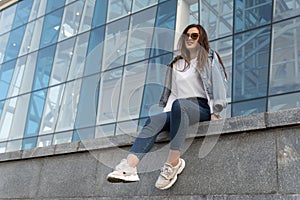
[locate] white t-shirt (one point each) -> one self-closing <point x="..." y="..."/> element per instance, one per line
<point x="186" y="83"/>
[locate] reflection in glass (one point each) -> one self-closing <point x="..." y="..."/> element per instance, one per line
<point x="16" y="80"/>
<point x="140" y="35"/>
<point x="19" y="117"/>
<point x="36" y="34"/>
<point x="3" y="147"/>
<point x="51" y="110"/>
<point x="15" y="145"/>
<point x="249" y="107"/>
<point x="132" y="91"/>
<point x="43" y="67"/>
<point x="64" y="137"/>
<point x="78" y="56"/>
<point x="251" y="62"/>
<point x="154" y="85"/>
<point x="284" y="102"/>
<point x="105" y="130"/>
<point x="6" y="73"/>
<point x="285" y="68"/>
<point x="117" y="9"/>
<point x="14" y="43"/>
<point x="7" y="117"/>
<point x="3" y="44"/>
<point x="115" y="43"/>
<point x="83" y="134"/>
<point x="128" y="128"/>
<point x="250" y="14"/>
<point x="1" y="106"/>
<point x="44" y="141"/>
<point x="95" y="49"/>
<point x="22" y="13"/>
<point x="68" y="107"/>
<point x="99" y="17"/>
<point x="54" y="4"/>
<point x="88" y="102"/>
<point x="109" y="93"/>
<point x="62" y="60"/>
<point x="141" y="4"/>
<point x="224" y="48"/>
<point x="51" y="28"/>
<point x="163" y="39"/>
<point x="7" y="18"/>
<point x="217" y="17"/>
<point x="286" y="9"/>
<point x="34" y="10"/>
<point x="28" y="76"/>
<point x="25" y="45"/>
<point x="29" y="143"/>
<point x="35" y="111"/>
<point x="71" y="20"/>
<point x="87" y="16"/>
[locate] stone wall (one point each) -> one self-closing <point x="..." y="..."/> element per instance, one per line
<point x="240" y="158"/>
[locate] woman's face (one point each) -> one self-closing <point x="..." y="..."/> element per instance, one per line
<point x="192" y="38"/>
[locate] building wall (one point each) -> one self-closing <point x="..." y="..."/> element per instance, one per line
<point x="72" y="70"/>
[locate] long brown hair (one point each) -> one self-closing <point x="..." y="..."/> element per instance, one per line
<point x="202" y="48"/>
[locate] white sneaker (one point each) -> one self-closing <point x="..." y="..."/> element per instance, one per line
<point x="168" y="175"/>
<point x="123" y="173"/>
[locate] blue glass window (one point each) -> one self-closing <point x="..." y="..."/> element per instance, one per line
<point x="99" y="17"/>
<point x="44" y="67"/>
<point x="6" y="73"/>
<point x="154" y="85"/>
<point x="249" y="107"/>
<point x="1" y="107"/>
<point x="117" y="9"/>
<point x="14" y="43"/>
<point x="51" y="28"/>
<point x="88" y="102"/>
<point x="140" y="35"/>
<point x="285" y="9"/>
<point x="216" y="17"/>
<point x="250" y="14"/>
<point x="83" y="134"/>
<point x="163" y="40"/>
<point x="282" y="102"/>
<point x="285" y="68"/>
<point x="29" y="143"/>
<point x="54" y="4"/>
<point x="71" y="20"/>
<point x="95" y="49"/>
<point x="7" y="18"/>
<point x="115" y="43"/>
<point x="22" y="13"/>
<point x="35" y="113"/>
<point x="251" y="63"/>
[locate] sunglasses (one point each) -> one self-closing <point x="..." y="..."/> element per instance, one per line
<point x="194" y="36"/>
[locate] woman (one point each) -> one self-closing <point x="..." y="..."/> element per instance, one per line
<point x="195" y="90"/>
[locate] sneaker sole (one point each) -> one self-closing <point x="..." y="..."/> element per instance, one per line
<point x="181" y="168"/>
<point x="127" y="179"/>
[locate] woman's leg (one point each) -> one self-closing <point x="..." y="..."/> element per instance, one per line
<point x="146" y="138"/>
<point x="184" y="113"/>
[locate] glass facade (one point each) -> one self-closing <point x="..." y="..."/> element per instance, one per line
<point x="72" y="70"/>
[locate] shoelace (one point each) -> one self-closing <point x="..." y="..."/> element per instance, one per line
<point x="166" y="170"/>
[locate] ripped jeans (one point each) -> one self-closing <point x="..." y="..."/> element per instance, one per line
<point x="184" y="112"/>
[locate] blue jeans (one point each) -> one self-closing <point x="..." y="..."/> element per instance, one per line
<point x="184" y="112"/>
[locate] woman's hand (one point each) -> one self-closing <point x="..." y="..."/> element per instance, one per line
<point x="215" y="117"/>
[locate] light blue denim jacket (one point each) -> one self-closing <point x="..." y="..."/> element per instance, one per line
<point x="214" y="81"/>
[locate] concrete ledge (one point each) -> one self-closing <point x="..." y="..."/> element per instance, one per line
<point x="254" y="161"/>
<point x="232" y="125"/>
